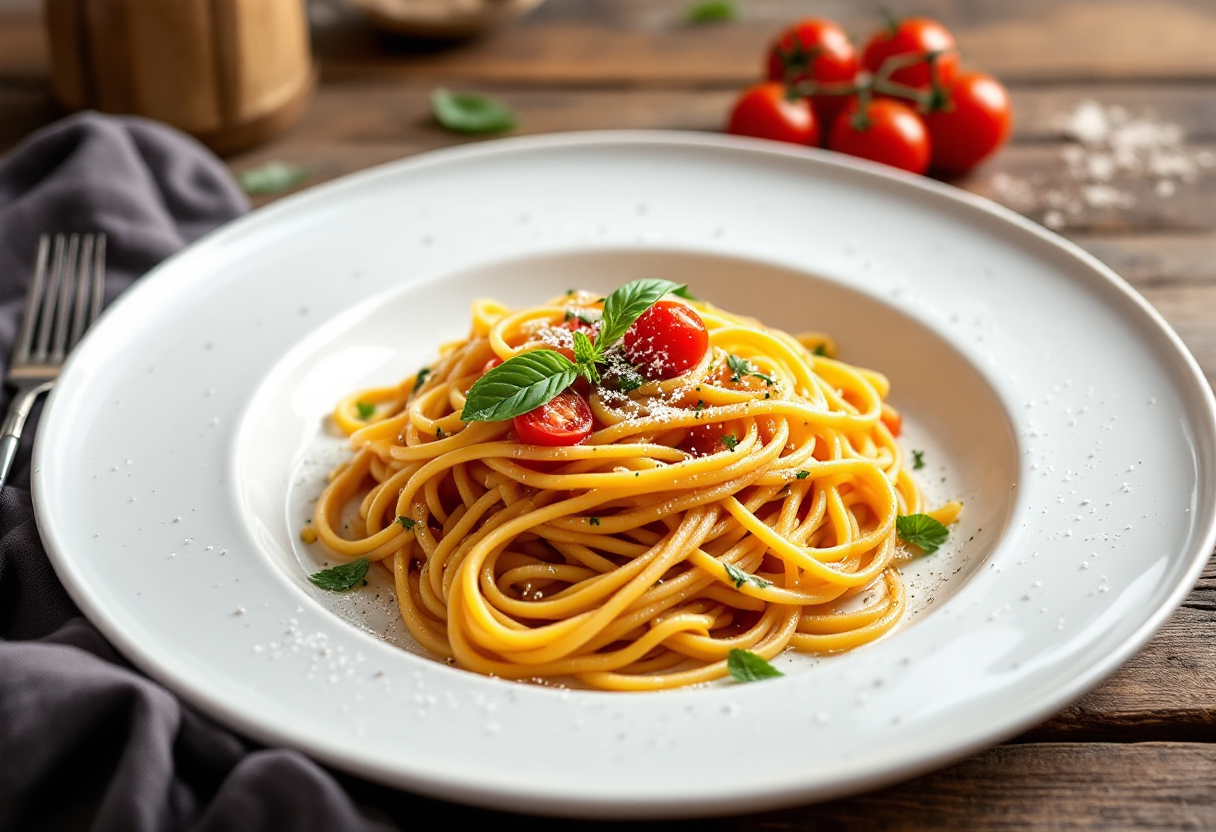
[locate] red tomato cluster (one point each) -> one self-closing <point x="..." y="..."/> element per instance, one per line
<point x="903" y="100"/>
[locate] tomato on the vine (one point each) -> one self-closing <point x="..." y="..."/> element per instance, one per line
<point x="816" y="50"/>
<point x="972" y="122"/>
<point x="885" y="131"/>
<point x="564" y="420"/>
<point x="905" y="39"/>
<point x="666" y="340"/>
<point x="765" y="111"/>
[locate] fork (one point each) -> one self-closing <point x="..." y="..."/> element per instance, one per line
<point x="61" y="303"/>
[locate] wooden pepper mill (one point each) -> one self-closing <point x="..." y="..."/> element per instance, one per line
<point x="231" y="72"/>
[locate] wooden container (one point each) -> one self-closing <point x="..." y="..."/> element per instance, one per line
<point x="231" y="72"/>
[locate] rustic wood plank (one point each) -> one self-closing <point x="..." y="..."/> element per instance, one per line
<point x="646" y="42"/>
<point x="578" y="42"/>
<point x="1073" y="786"/>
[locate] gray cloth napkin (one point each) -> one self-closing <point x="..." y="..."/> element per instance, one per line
<point x="86" y="742"/>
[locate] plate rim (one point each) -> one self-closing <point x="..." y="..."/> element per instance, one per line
<point x="665" y="807"/>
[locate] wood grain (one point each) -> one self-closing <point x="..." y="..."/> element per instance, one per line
<point x="576" y="42"/>
<point x="1044" y="786"/>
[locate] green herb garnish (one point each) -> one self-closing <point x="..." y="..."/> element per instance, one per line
<point x="517" y="385"/>
<point x="534" y="378"/>
<point x="343" y="577"/>
<point x="711" y="11"/>
<point x="406" y="523"/>
<point x="802" y="475"/>
<point x="272" y="178"/>
<point x="595" y="521"/>
<point x="470" y="112"/>
<point x="740" y="577"/>
<point x="730" y="442"/>
<point x="682" y="292"/>
<point x="746" y="666"/>
<point x="422" y="374"/>
<point x="821" y="349"/>
<point x="740" y="367"/>
<point x="923" y="531"/>
<point x="365" y="410"/>
<point x="918" y="460"/>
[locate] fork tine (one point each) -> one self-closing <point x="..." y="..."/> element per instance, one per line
<point x="67" y="293"/>
<point x="99" y="277"/>
<point x="46" y="316"/>
<point x="33" y="297"/>
<point x="81" y="304"/>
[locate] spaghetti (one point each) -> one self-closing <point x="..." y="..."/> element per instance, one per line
<point x="748" y="503"/>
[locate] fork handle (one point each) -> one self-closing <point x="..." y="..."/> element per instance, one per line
<point x="14" y="423"/>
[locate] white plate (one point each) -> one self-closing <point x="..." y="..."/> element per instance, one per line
<point x="182" y="443"/>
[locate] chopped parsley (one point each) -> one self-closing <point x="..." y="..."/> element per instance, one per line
<point x="918" y="460"/>
<point x="821" y="349"/>
<point x="406" y="523"/>
<point x="418" y="382"/>
<point x="595" y="521"/>
<point x="730" y="442"/>
<point x="365" y="410"/>
<point x="343" y="577"/>
<point x="746" y="666"/>
<point x="802" y="475"/>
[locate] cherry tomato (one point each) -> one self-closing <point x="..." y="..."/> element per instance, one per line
<point x="766" y="112"/>
<point x="666" y="340"/>
<point x="565" y="420"/>
<point x="974" y="121"/>
<point x="491" y="364"/>
<point x="914" y="36"/>
<point x="889" y="132"/>
<point x="815" y="50"/>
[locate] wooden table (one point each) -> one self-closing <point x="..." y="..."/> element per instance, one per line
<point x="1136" y="753"/>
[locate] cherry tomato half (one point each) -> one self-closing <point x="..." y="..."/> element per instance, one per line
<point x="909" y="37"/>
<point x="565" y="420"/>
<point x="890" y="132"/>
<point x="815" y="50"/>
<point x="973" y="122"/>
<point x="766" y="112"/>
<point x="666" y="340"/>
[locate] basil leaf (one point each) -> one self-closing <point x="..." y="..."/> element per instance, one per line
<point x="626" y="304"/>
<point x="711" y="11"/>
<point x="341" y="578"/>
<point x="272" y="178"/>
<point x="518" y="385"/>
<point x="923" y="531"/>
<point x="682" y="292"/>
<point x="740" y="577"/>
<point x="585" y="356"/>
<point x="746" y="666"/>
<point x="470" y="112"/>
